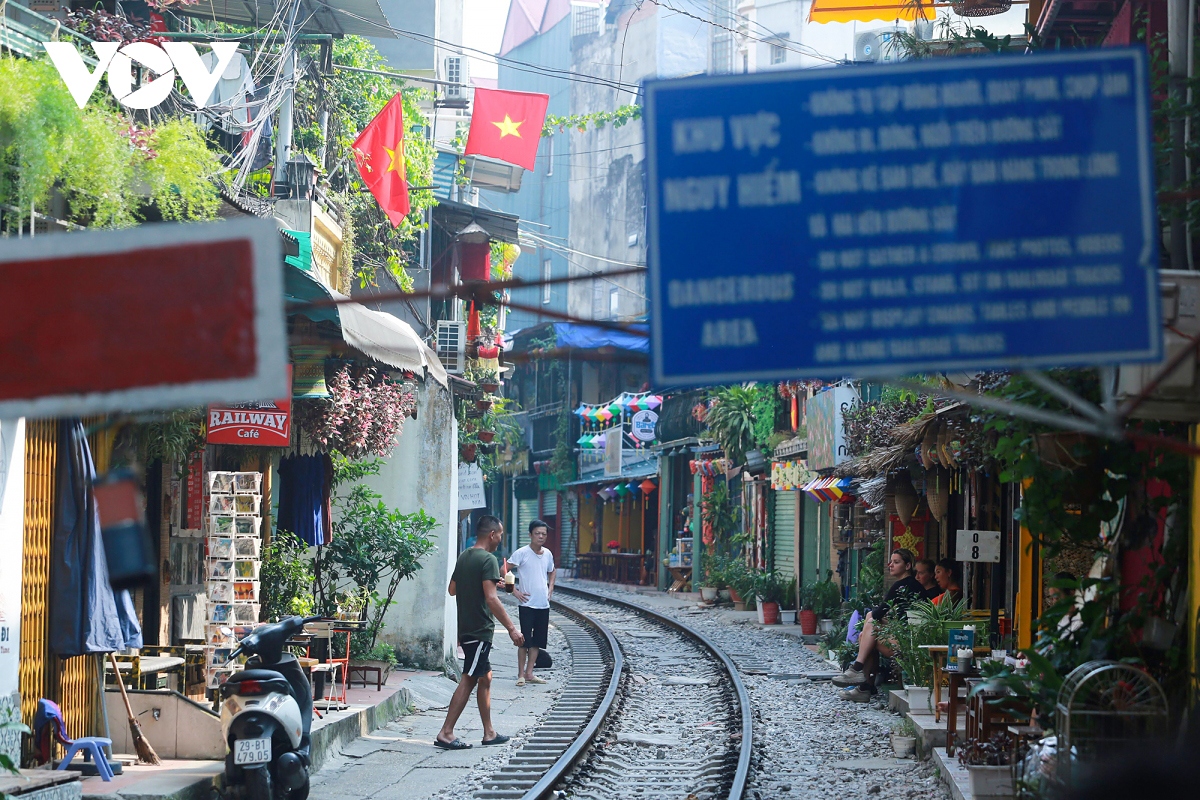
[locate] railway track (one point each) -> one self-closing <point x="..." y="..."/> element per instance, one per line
<point x="653" y="709"/>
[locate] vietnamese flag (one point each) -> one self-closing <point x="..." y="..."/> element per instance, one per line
<point x="379" y="151"/>
<point x="507" y="126"/>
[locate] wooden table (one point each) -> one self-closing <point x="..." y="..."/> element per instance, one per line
<point x="938" y="654"/>
<point x="957" y="681"/>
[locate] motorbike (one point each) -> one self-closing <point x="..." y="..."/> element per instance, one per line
<point x="266" y="717"/>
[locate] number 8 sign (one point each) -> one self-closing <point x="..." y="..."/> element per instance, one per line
<point x="978" y="546"/>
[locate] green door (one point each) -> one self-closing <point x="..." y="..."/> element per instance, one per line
<point x="784" y="532"/>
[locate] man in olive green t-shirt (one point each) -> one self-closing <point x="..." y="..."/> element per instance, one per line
<point x="474" y="585"/>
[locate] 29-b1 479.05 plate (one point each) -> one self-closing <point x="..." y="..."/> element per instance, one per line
<point x="252" y="751"/>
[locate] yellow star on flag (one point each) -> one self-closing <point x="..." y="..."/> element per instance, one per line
<point x="395" y="158"/>
<point x="508" y="127"/>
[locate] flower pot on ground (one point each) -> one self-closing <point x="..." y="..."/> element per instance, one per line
<point x="739" y="605"/>
<point x="824" y="626"/>
<point x="918" y="701"/>
<point x="723" y="596"/>
<point x="768" y="612"/>
<point x="708" y="594"/>
<point x="808" y="622"/>
<point x="904" y="746"/>
<point x="991" y="783"/>
<point x="787" y="616"/>
<point x="734" y="596"/>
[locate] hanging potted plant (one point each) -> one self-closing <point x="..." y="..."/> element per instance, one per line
<point x="486" y="436"/>
<point x="483" y="403"/>
<point x="467" y="451"/>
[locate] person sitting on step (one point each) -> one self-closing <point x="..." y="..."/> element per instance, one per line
<point x="860" y="674"/>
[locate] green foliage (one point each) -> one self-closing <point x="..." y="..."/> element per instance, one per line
<point x="823" y="597"/>
<point x="618" y="117"/>
<point x="904" y="727"/>
<point x="730" y="420"/>
<point x="718" y="510"/>
<point x="381" y="652"/>
<point x="870" y="576"/>
<point x="765" y="409"/>
<point x="180" y="175"/>
<point x="286" y="577"/>
<point x="924" y="624"/>
<point x="374" y="549"/>
<point x="174" y="437"/>
<point x="352" y="99"/>
<point x="772" y="587"/>
<point x="101" y="163"/>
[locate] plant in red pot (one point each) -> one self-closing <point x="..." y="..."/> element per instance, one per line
<point x="486" y="436"/>
<point x="769" y="588"/>
<point x="807" y="616"/>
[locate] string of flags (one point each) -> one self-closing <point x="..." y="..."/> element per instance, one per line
<point x="620" y="491"/>
<point x="625" y="403"/>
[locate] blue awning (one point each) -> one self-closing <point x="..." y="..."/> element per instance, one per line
<point x="588" y="337"/>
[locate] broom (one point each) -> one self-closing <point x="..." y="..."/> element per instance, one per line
<point x="145" y="752"/>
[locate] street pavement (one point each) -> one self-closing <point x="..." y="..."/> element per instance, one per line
<point x="400" y="761"/>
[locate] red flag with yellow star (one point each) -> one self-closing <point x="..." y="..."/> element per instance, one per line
<point x="379" y="151"/>
<point x="507" y="125"/>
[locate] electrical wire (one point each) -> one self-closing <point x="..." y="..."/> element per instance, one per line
<point x="520" y="66"/>
<point x="778" y="42"/>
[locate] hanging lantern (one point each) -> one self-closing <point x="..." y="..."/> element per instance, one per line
<point x="615" y="409"/>
<point x="474" y="246"/>
<point x="621" y="490"/>
<point x="648" y="486"/>
<point x="584" y="441"/>
<point x="473" y="327"/>
<point x="604" y="415"/>
<point x="632" y="487"/>
<point x="581" y="411"/>
<point x="652" y="402"/>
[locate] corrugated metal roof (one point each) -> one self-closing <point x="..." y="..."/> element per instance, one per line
<point x="337" y="17"/>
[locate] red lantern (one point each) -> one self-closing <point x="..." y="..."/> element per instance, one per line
<point x="474" y="254"/>
<point x="648" y="486"/>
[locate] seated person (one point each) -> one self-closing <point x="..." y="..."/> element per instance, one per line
<point x="859" y="674"/>
<point x="924" y="576"/>
<point x="947" y="576"/>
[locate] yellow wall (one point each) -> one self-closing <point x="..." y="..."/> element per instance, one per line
<point x="618" y="520"/>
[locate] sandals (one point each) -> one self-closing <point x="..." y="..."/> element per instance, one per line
<point x="457" y="744"/>
<point x="498" y="739"/>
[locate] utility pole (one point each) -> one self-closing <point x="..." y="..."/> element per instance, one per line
<point x="283" y="145"/>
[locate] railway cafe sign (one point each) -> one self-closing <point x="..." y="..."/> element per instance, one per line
<point x="940" y="214"/>
<point x="116" y="61"/>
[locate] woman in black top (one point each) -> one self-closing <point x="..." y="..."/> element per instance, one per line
<point x="906" y="589"/>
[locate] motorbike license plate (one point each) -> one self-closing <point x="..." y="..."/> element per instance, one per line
<point x="252" y="751"/>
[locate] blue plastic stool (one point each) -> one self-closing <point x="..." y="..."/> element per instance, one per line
<point x="92" y="747"/>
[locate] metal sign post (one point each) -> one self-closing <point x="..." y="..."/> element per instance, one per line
<point x="940" y="214"/>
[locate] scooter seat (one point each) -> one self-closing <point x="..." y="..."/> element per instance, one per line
<point x="270" y="680"/>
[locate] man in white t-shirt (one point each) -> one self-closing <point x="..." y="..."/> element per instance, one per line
<point x="534" y="565"/>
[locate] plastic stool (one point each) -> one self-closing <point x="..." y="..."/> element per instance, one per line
<point x="92" y="747"/>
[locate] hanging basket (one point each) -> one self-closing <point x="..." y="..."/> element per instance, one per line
<point x="937" y="492"/>
<point x="907" y="499"/>
<point x="981" y="8"/>
<point x="487" y="436"/>
<point x="929" y="446"/>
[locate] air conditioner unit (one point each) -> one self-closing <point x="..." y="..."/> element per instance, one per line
<point x="456" y="72"/>
<point x="867" y="47"/>
<point x="452" y="345"/>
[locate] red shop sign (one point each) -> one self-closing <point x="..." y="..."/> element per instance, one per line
<point x="266" y="424"/>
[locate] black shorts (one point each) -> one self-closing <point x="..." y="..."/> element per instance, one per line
<point x="475" y="657"/>
<point x="534" y="622"/>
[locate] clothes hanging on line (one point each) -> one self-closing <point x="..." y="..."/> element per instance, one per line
<point x="305" y="484"/>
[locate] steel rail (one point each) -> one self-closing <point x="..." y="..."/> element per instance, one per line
<point x="738" y="787"/>
<point x="544" y="788"/>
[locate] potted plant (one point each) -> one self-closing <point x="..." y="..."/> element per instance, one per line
<point x="382" y="656"/>
<point x="614" y="546"/>
<point x="904" y="739"/>
<point x="787" y="604"/>
<point x="486" y="436"/>
<point x="826" y="598"/>
<point x="768" y="589"/>
<point x="467" y="451"/>
<point x="990" y="766"/>
<point x="808" y="617"/>
<point x="741" y="582"/>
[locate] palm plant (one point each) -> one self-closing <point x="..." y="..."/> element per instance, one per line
<point x="730" y="420"/>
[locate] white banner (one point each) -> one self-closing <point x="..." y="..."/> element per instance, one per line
<point x="12" y="518"/>
<point x="471" y="493"/>
<point x="613" y="440"/>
